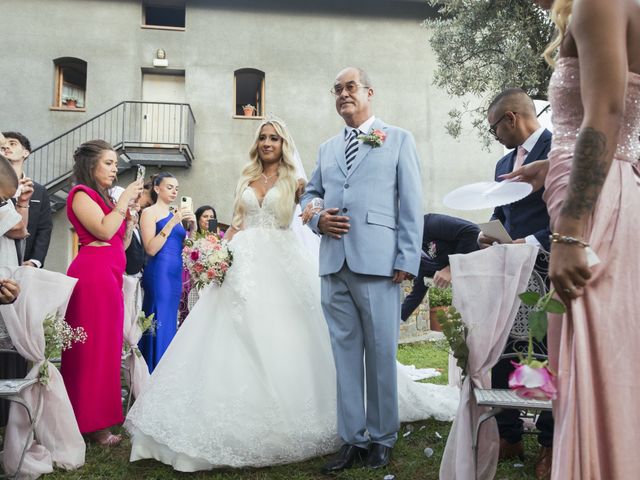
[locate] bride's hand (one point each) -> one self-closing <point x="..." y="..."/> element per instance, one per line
<point x="308" y="213"/>
<point x="533" y="173"/>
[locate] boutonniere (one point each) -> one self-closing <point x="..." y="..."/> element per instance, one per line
<point x="432" y="250"/>
<point x="375" y="138"/>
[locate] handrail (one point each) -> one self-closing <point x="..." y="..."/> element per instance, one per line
<point x="128" y="124"/>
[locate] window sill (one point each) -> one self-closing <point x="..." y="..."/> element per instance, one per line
<point x="160" y="27"/>
<point x="244" y="117"/>
<point x="66" y="109"/>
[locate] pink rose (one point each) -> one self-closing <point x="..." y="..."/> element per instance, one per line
<point x="198" y="267"/>
<point x="380" y="134"/>
<point x="194" y="255"/>
<point x="533" y="381"/>
<point x="211" y="273"/>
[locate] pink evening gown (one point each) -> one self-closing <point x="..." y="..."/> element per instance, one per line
<point x="91" y="371"/>
<point x="596" y="347"/>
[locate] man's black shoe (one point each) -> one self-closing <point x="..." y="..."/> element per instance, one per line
<point x="379" y="456"/>
<point x="345" y="458"/>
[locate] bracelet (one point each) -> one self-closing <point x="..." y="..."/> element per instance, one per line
<point x="21" y="206"/>
<point x="566" y="239"/>
<point x="162" y="234"/>
<point x="121" y="211"/>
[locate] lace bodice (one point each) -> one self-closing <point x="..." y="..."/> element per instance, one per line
<point x="262" y="216"/>
<point x="566" y="101"/>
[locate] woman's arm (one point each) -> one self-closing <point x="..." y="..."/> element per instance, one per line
<point x="91" y="216"/>
<point x="151" y="241"/>
<point x="599" y="30"/>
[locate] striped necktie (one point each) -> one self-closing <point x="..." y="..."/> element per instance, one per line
<point x="351" y="149"/>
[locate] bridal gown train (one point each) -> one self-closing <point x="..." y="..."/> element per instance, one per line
<point x="249" y="379"/>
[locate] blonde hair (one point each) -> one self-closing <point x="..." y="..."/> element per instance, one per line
<point x="286" y="183"/>
<point x="560" y="15"/>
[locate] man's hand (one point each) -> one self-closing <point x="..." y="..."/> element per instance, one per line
<point x="484" y="241"/>
<point x="399" y="276"/>
<point x="9" y="291"/>
<point x="331" y="224"/>
<point x="442" y="278"/>
<point x="26" y="190"/>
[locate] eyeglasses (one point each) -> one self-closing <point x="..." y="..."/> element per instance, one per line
<point x="492" y="128"/>
<point x="350" y="87"/>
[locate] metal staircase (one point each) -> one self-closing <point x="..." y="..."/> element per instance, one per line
<point x="146" y="133"/>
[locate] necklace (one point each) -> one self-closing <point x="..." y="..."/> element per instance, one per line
<point x="266" y="179"/>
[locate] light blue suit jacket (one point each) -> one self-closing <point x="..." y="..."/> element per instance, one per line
<point x="382" y="196"/>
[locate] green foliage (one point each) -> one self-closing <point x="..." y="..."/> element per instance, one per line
<point x="439" y="297"/>
<point x="538" y="321"/>
<point x="485" y="46"/>
<point x="455" y="331"/>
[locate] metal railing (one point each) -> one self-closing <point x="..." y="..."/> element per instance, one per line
<point x="129" y="124"/>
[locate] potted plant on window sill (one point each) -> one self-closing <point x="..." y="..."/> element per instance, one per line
<point x="71" y="102"/>
<point x="439" y="299"/>
<point x="248" y="110"/>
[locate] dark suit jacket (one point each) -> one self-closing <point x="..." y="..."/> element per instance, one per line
<point x="135" y="255"/>
<point x="442" y="236"/>
<point x="527" y="216"/>
<point x="40" y="225"/>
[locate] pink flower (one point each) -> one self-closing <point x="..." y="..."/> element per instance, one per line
<point x="211" y="273"/>
<point x="533" y="381"/>
<point x="194" y="255"/>
<point x="198" y="267"/>
<point x="380" y="134"/>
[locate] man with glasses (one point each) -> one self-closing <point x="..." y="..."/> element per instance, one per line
<point x="368" y="179"/>
<point x="513" y="122"/>
<point x="17" y="148"/>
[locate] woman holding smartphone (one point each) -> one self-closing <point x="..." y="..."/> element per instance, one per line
<point x="162" y="237"/>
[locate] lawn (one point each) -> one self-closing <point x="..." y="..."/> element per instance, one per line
<point x="409" y="461"/>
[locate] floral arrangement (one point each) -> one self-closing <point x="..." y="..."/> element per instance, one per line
<point x="455" y="331"/>
<point x="207" y="259"/>
<point x="375" y="138"/>
<point x="532" y="378"/>
<point x="58" y="336"/>
<point x="146" y="323"/>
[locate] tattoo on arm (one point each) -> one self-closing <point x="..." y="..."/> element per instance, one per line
<point x="588" y="173"/>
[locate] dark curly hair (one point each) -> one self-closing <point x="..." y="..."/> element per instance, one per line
<point x="85" y="160"/>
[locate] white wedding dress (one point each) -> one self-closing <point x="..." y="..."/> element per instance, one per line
<point x="249" y="379"/>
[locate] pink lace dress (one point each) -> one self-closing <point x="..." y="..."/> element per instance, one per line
<point x="596" y="347"/>
<point x="91" y="370"/>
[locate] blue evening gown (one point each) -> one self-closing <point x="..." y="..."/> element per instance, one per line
<point x="162" y="284"/>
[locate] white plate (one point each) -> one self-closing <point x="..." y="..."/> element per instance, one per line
<point x="476" y="196"/>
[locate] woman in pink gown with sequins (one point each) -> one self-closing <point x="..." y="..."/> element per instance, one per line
<point x="593" y="196"/>
<point x="91" y="370"/>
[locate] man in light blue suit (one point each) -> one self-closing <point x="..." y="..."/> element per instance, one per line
<point x="368" y="177"/>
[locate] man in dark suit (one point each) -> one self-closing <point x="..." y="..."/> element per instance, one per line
<point x="32" y="252"/>
<point x="513" y="122"/>
<point x="442" y="236"/>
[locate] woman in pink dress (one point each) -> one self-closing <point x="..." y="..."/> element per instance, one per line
<point x="91" y="371"/>
<point x="593" y="196"/>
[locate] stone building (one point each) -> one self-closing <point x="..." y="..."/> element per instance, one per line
<point x="67" y="62"/>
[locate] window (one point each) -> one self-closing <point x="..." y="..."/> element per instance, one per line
<point x="164" y="14"/>
<point x="71" y="83"/>
<point x="249" y="92"/>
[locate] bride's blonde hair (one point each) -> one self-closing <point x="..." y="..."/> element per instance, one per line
<point x="286" y="183"/>
<point x="560" y="15"/>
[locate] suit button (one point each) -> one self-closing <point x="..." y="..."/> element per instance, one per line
<point x="346" y="185"/>
<point x="345" y="210"/>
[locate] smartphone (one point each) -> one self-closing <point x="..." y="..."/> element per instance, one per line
<point x="213" y="225"/>
<point x="186" y="202"/>
<point x="141" y="172"/>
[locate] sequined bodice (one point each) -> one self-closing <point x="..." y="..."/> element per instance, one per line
<point x="567" y="112"/>
<point x="264" y="215"/>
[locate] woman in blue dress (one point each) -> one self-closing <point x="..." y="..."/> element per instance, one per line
<point x="162" y="237"/>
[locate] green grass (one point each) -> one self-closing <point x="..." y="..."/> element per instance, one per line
<point x="408" y="461"/>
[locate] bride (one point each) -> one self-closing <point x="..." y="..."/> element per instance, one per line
<point x="249" y="379"/>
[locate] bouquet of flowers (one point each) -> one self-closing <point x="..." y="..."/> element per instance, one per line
<point x="207" y="259"/>
<point x="58" y="336"/>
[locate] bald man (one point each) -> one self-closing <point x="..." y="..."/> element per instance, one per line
<point x="513" y="122"/>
